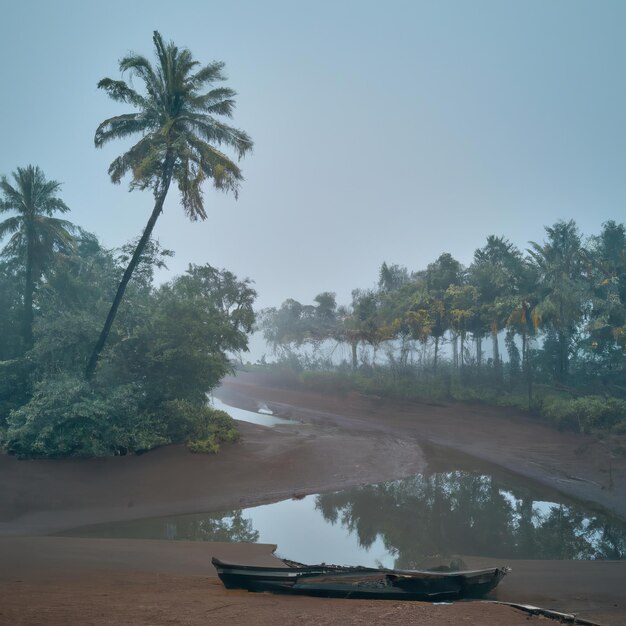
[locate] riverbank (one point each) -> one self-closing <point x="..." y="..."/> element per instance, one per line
<point x="342" y="441"/>
<point x="54" y="581"/>
<point x="580" y="466"/>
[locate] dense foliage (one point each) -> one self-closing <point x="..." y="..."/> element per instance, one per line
<point x="169" y="348"/>
<point x="61" y="392"/>
<point x="559" y="310"/>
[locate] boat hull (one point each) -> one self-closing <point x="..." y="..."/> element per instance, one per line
<point x="360" y="582"/>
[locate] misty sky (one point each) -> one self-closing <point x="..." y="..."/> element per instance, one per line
<point x="383" y="131"/>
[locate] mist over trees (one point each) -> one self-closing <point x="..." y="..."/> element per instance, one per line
<point x="543" y="329"/>
<point x="169" y="348"/>
<point x="68" y="388"/>
<point x="181" y="140"/>
<point x="96" y="358"/>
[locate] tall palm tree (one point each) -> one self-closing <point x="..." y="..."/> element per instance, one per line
<point x="35" y="235"/>
<point x="495" y="273"/>
<point x="561" y="265"/>
<point x="180" y="140"/>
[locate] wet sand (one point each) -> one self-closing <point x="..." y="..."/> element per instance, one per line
<point x="343" y="441"/>
<point x="60" y="580"/>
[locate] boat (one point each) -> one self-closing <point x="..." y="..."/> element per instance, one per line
<point x="337" y="581"/>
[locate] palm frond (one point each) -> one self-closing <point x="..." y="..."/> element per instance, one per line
<point x="54" y="224"/>
<point x="121" y="126"/>
<point x="184" y="64"/>
<point x="142" y="68"/>
<point x="10" y="225"/>
<point x="10" y="194"/>
<point x="189" y="178"/>
<point x="208" y="74"/>
<point x="13" y="200"/>
<point x="133" y="159"/>
<point x="213" y="130"/>
<point x="15" y="247"/>
<point x="216" y="165"/>
<point x="119" y="91"/>
<point x="217" y="101"/>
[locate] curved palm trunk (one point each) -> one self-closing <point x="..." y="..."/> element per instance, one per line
<point x="158" y="208"/>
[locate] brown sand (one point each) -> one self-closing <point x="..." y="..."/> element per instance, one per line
<point x="343" y="441"/>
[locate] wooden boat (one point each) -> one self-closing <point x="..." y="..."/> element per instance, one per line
<point x="335" y="581"/>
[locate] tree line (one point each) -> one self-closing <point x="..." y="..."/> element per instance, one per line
<point x="95" y="358"/>
<point x="550" y="317"/>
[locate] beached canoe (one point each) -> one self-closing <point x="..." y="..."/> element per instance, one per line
<point x="333" y="581"/>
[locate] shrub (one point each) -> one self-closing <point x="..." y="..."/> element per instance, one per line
<point x="585" y="414"/>
<point x="204" y="446"/>
<point x="202" y="427"/>
<point x="68" y="417"/>
<point x="620" y="428"/>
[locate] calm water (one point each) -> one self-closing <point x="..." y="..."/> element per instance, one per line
<point x="421" y="521"/>
<point x="263" y="416"/>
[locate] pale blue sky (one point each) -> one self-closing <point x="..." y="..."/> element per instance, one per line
<point x="383" y="131"/>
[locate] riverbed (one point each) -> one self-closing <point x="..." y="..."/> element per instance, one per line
<point x="339" y="443"/>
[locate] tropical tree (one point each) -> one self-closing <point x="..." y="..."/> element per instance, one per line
<point x="392" y="277"/>
<point x="440" y="275"/>
<point x="181" y="137"/>
<point x="284" y="327"/>
<point x="11" y="311"/>
<point x="495" y="273"/>
<point x="461" y="302"/>
<point x="607" y="324"/>
<point x="365" y="324"/>
<point x="36" y="236"/>
<point x="324" y="324"/>
<point x="178" y="350"/>
<point x="561" y="264"/>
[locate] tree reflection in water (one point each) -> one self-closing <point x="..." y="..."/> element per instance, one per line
<point x="429" y="518"/>
<point x="231" y="526"/>
<point x="228" y="526"/>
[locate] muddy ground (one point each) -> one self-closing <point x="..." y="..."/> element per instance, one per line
<point x="343" y="440"/>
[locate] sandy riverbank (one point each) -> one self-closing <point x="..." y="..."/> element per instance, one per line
<point x="343" y="441"/>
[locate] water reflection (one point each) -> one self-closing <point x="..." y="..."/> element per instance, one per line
<point x="440" y="515"/>
<point x="421" y="522"/>
<point x="232" y="526"/>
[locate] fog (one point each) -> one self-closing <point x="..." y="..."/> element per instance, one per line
<point x="388" y="133"/>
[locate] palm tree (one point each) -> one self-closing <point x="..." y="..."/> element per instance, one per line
<point x="35" y="235"/>
<point x="560" y="264"/>
<point x="179" y="134"/>
<point x="440" y="274"/>
<point x="495" y="273"/>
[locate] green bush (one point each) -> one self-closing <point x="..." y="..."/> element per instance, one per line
<point x="585" y="414"/>
<point x="202" y="427"/>
<point x="68" y="417"/>
<point x="620" y="428"/>
<point x="204" y="446"/>
<point x="14" y="387"/>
